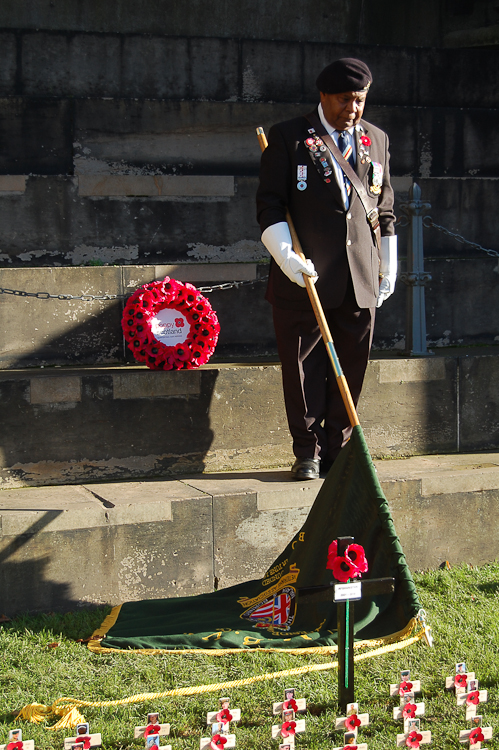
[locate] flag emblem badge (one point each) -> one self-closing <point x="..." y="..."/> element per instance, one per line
<point x="277" y="611"/>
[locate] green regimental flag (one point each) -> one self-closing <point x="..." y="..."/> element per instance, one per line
<point x="267" y="613"/>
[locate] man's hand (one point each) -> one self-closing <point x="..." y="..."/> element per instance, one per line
<point x="277" y="240"/>
<point x="387" y="268"/>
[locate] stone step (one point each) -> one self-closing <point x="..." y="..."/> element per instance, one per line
<point x="72" y="545"/>
<point x="79" y="425"/>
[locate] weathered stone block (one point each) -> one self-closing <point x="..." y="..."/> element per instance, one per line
<point x="409" y="416"/>
<point x="12" y="183"/>
<point x="55" y="390"/>
<point x="479" y="397"/>
<point x="155" y="384"/>
<point x="52" y="331"/>
<point x="157" y="185"/>
<point x="39" y="138"/>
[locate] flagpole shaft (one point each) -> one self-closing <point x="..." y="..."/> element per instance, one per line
<point x="319" y="313"/>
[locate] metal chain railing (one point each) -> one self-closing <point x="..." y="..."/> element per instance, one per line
<point x="106" y="297"/>
<point x="428" y="223"/>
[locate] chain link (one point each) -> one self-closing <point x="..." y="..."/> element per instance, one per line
<point x="106" y="297"/>
<point x="429" y="223"/>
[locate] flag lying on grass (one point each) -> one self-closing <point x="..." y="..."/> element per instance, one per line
<point x="267" y="613"/>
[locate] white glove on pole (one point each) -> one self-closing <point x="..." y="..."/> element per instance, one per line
<point x="387" y="268"/>
<point x="277" y="240"/>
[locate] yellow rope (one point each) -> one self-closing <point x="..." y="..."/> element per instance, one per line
<point x="70" y="716"/>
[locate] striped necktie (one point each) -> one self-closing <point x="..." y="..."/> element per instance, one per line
<point x="346" y="149"/>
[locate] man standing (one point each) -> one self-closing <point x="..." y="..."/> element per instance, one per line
<point x="352" y="276"/>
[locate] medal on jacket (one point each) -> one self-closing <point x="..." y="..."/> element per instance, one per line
<point x="320" y="155"/>
<point x="376" y="178"/>
<point x="301" y="176"/>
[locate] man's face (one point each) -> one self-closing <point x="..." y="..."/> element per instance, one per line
<point x="343" y="111"/>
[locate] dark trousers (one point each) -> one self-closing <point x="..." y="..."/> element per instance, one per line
<point x="317" y="417"/>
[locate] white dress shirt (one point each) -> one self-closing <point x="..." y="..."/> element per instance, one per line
<point x="338" y="172"/>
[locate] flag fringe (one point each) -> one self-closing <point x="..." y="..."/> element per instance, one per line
<point x="67" y="708"/>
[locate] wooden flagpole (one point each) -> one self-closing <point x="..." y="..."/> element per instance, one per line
<point x="319" y="313"/>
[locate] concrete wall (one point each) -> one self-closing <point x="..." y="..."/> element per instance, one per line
<point x="417" y="23"/>
<point x="128" y="138"/>
<point x="70" y="425"/>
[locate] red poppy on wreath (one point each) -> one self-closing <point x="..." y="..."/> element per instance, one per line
<point x="413" y="739"/>
<point x="352" y="722"/>
<point x="473" y="698"/>
<point x="290" y="705"/>
<point x="405" y="687"/>
<point x="409" y="711"/>
<point x="170" y="326"/>
<point x="217" y="742"/>
<point x="224" y="716"/>
<point x="460" y="680"/>
<point x="288" y="728"/>
<point x="476" y="735"/>
<point x="365" y="140"/>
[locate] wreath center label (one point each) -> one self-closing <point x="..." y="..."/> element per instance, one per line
<point x="170" y="327"/>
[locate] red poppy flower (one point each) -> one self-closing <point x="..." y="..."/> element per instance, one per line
<point x="152" y="729"/>
<point x="405" y="687"/>
<point x="413" y="739"/>
<point x="217" y="742"/>
<point x="365" y="140"/>
<point x="332" y="552"/>
<point x="357" y="556"/>
<point x="349" y="747"/>
<point x="476" y="735"/>
<point x="86" y="741"/>
<point x="409" y="711"/>
<point x="290" y="705"/>
<point x="288" y="728"/>
<point x="224" y="716"/>
<point x="343" y="569"/>
<point x="473" y="698"/>
<point x="14" y="746"/>
<point x="460" y="680"/>
<point x="352" y="722"/>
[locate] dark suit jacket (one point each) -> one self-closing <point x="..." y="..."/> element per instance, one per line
<point x="337" y="241"/>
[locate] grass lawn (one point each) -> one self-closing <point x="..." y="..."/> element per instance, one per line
<point x="463" y="610"/>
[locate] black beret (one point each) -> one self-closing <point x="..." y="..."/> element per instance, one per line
<point x="347" y="74"/>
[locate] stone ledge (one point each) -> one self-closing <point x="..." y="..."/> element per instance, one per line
<point x="217" y="186"/>
<point x="12" y="184"/>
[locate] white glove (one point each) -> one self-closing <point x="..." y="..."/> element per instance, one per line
<point x="387" y="268"/>
<point x="277" y="240"/>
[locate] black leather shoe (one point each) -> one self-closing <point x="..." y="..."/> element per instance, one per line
<point x="306" y="468"/>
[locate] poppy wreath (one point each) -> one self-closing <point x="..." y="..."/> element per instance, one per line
<point x="143" y="306"/>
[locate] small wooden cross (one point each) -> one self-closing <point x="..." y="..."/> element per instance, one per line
<point x="344" y="595"/>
